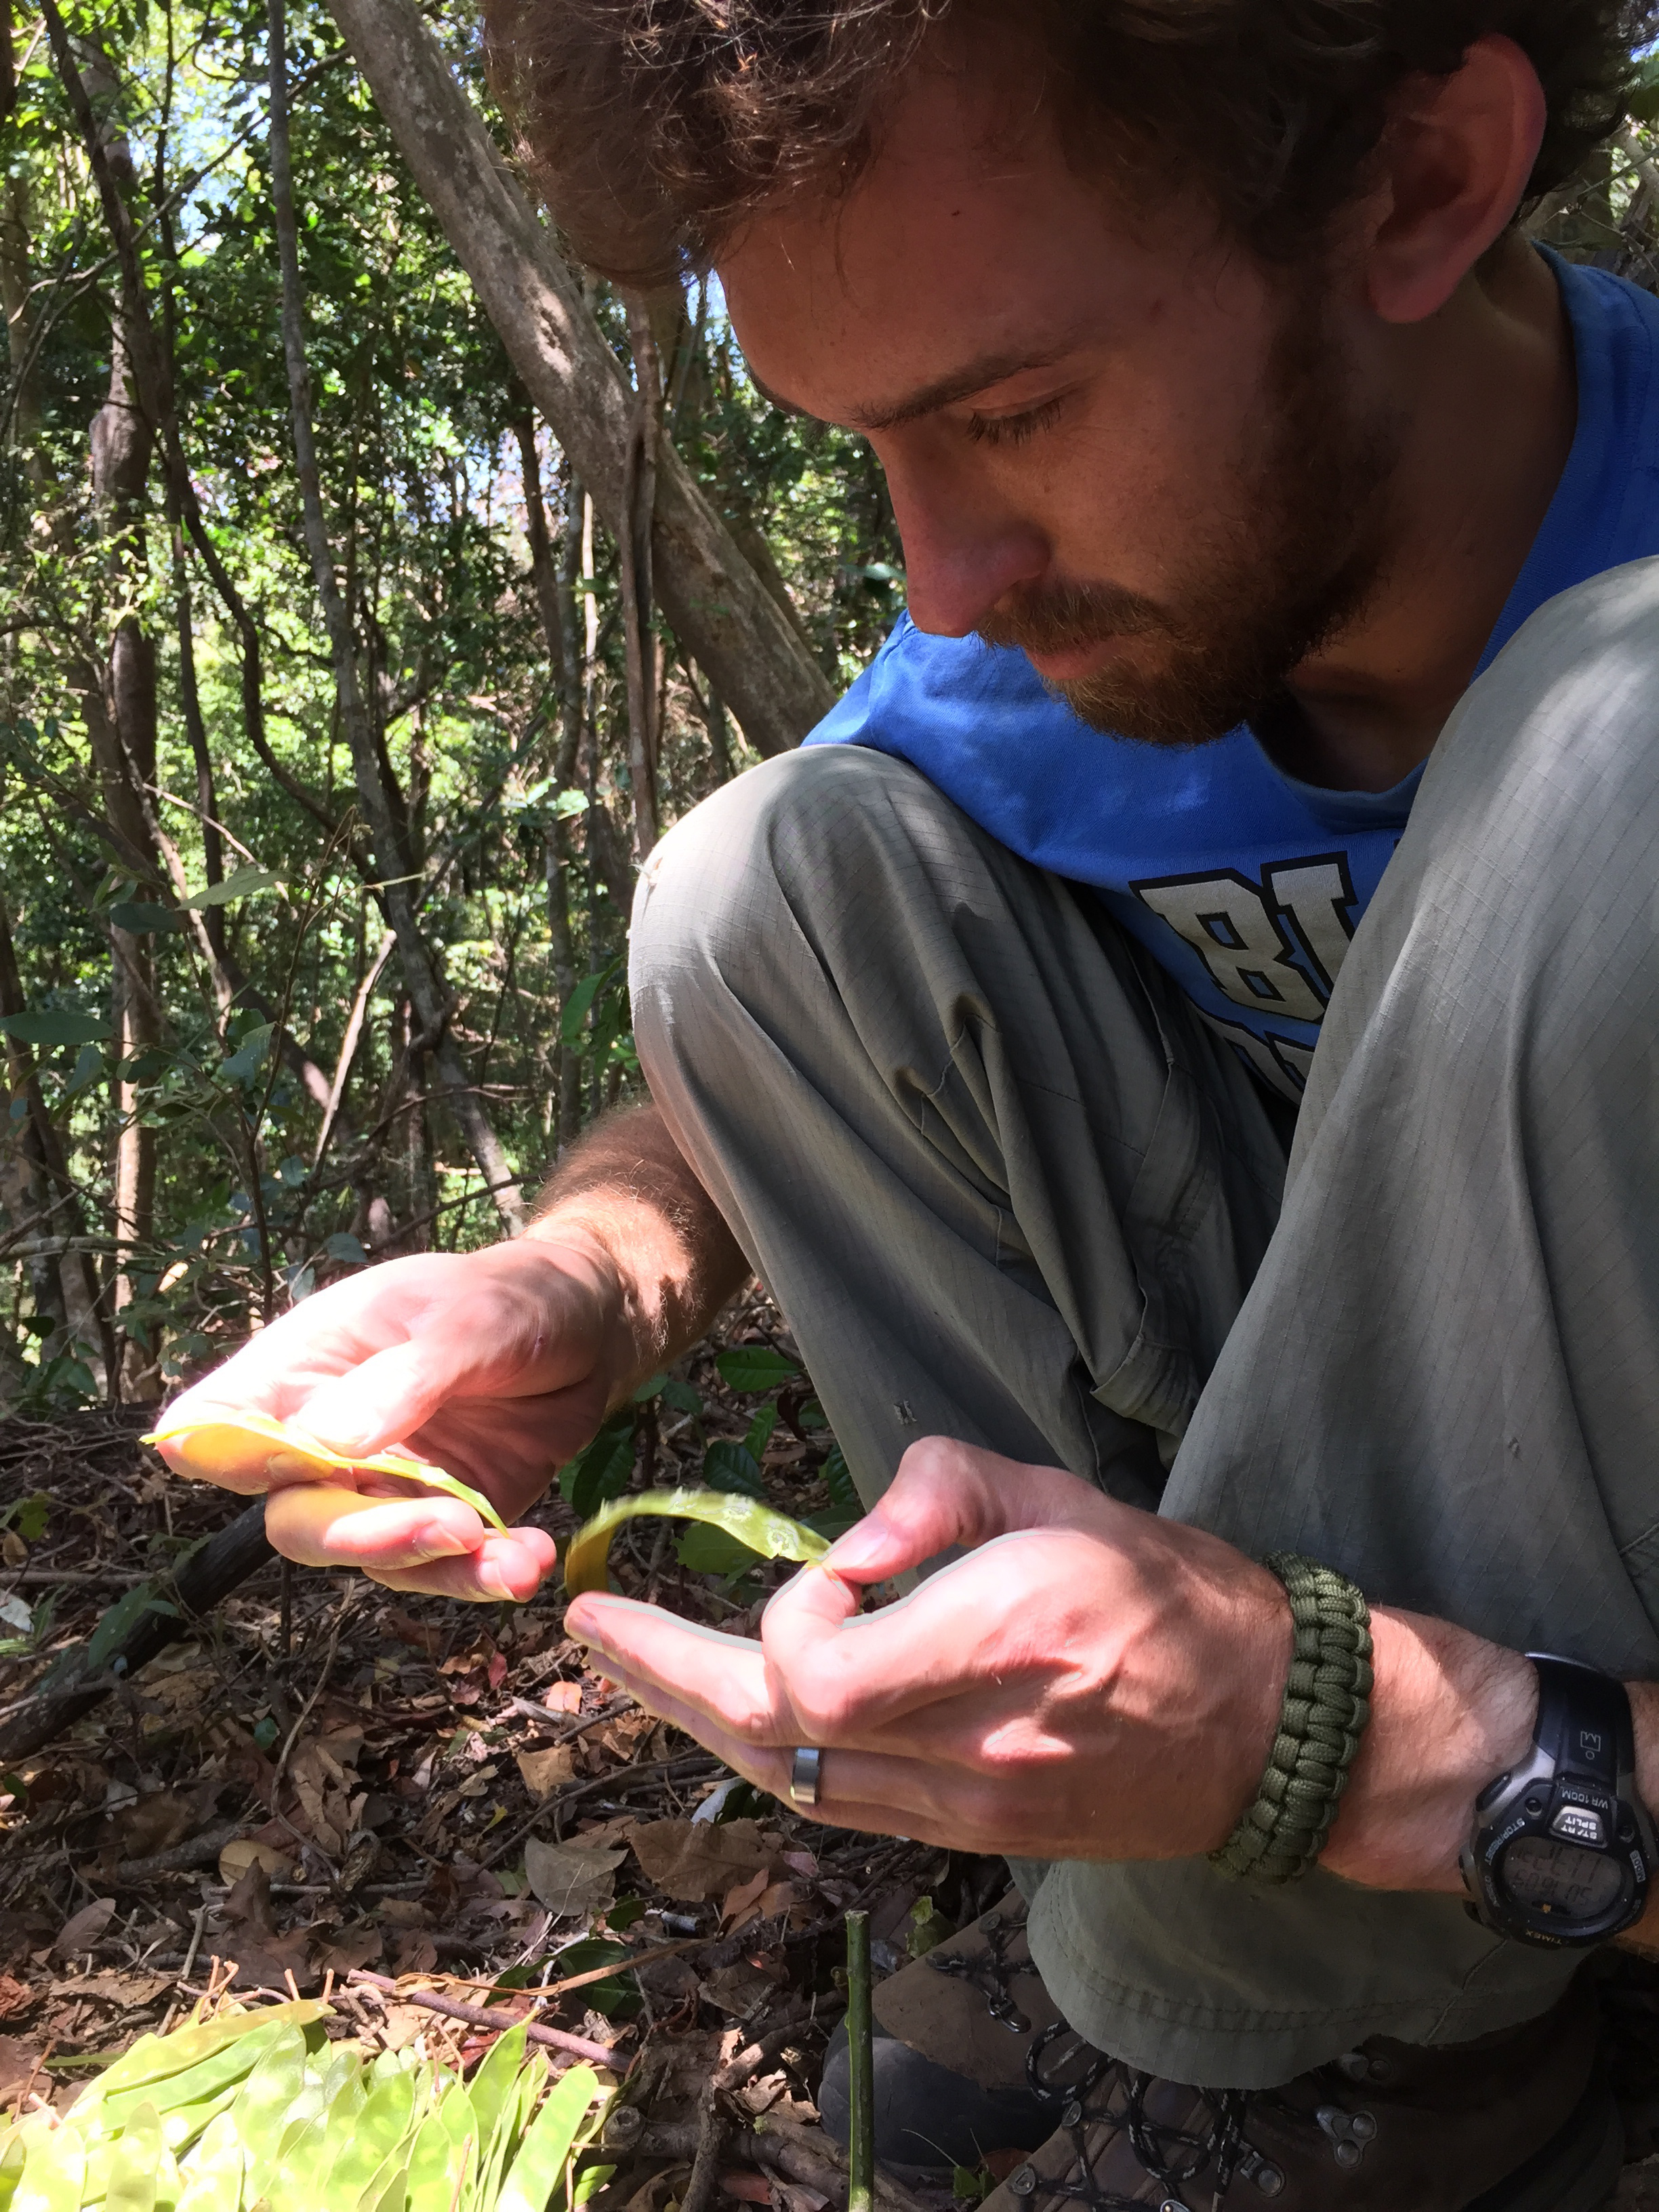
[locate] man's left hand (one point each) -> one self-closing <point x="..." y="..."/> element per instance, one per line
<point x="1089" y="1682"/>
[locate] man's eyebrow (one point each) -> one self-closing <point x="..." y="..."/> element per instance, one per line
<point x="974" y="376"/>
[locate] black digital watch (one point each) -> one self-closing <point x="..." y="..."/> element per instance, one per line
<point x="1563" y="1846"/>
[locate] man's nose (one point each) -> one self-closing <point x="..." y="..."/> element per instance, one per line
<point x="961" y="555"/>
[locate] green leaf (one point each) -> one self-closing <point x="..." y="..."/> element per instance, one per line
<point x="250" y="1056"/>
<point x="30" y="1515"/>
<point x="145" y="918"/>
<point x="492" y="2084"/>
<point x="132" y="2168"/>
<point x="552" y="2137"/>
<point x="729" y="1465"/>
<point x="681" y="1396"/>
<point x="12" y="2155"/>
<point x="703" y="1551"/>
<point x="760" y="1433"/>
<point x="838" y="1481"/>
<point x="577" y="1005"/>
<point x="241" y="883"/>
<point x="55" y="2176"/>
<point x="212" y="2172"/>
<point x="749" y="1367"/>
<point x="615" y="1997"/>
<point x="345" y="1247"/>
<point x="377" y="2134"/>
<point x="773" y="1534"/>
<point x="53" y="1026"/>
<point x="600" y="1470"/>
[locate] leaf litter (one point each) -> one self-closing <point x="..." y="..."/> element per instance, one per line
<point x="413" y="1802"/>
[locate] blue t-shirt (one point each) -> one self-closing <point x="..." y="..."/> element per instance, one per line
<point x="1245" y="883"/>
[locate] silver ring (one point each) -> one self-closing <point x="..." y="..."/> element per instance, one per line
<point x="805" y="1774"/>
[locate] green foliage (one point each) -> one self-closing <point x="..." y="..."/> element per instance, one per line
<point x="600" y="1471"/>
<point x="755" y="1367"/>
<point x="255" y="944"/>
<point x="258" y="2110"/>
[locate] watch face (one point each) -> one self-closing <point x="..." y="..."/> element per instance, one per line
<point x="1554" y="1877"/>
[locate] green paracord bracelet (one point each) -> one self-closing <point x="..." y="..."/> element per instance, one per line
<point x="1327" y="1705"/>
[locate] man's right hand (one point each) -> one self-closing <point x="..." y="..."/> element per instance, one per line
<point x="497" y="1365"/>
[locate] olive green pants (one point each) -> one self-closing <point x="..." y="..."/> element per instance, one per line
<point x="1008" y="1189"/>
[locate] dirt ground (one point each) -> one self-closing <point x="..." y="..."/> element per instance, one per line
<point x="325" y="1781"/>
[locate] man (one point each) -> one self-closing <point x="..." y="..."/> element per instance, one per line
<point x="1234" y="431"/>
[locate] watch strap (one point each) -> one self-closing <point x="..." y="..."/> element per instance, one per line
<point x="1584" y="1723"/>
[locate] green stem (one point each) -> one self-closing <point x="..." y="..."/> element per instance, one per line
<point x="860" y="2073"/>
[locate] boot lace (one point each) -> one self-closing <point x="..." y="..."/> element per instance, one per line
<point x="990" y="1971"/>
<point x="1216" y="2154"/>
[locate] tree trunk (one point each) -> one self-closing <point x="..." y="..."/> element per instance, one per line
<point x="554" y="584"/>
<point x="709" y="593"/>
<point x="426" y="988"/>
<point x="638" y="599"/>
<point x="77" y="1295"/>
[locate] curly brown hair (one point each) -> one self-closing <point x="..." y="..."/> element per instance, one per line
<point x="653" y="127"/>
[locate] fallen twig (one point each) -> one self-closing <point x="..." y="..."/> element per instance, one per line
<point x="578" y="2046"/>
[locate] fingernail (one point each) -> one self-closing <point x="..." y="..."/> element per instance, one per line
<point x="491" y="1578"/>
<point x="441" y="1543"/>
<point x="859" y="1549"/>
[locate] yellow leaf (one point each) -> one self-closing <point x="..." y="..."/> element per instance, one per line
<point x="221" y="1442"/>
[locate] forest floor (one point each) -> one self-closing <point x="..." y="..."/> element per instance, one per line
<point x="327" y="1781"/>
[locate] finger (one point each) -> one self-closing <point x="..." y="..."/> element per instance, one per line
<point x="722" y="1678"/>
<point x="511" y="1567"/>
<point x="960" y="1653"/>
<point x="883" y="1795"/>
<point x="949" y="1496"/>
<point x="228" y="1458"/>
<point x="326" y="1524"/>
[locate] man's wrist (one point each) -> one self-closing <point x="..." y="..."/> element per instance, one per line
<point x="573" y="1241"/>
<point x="1449" y="1711"/>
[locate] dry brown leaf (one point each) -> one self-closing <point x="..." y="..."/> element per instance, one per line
<point x="243" y="1852"/>
<point x="403" y="1912"/>
<point x="115" y="1987"/>
<point x="82" y="1931"/>
<point x="323" y="1789"/>
<point x="545" y="1772"/>
<point x="562" y="1697"/>
<point x="413" y="1951"/>
<point x="568" y="1878"/>
<point x="691" y="1860"/>
<point x="796" y="2197"/>
<point x="740" y="1902"/>
<point x="403" y="2023"/>
<point x="419" y="1634"/>
<point x="621" y="1737"/>
<point x="748" y="2188"/>
<point x="352" y="1946"/>
<point x="605" y="1835"/>
<point x="15" y="1996"/>
<point x="155" y="1823"/>
<point x="18" y="2061"/>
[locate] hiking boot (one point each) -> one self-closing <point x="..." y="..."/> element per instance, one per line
<point x="1513" y="2122"/>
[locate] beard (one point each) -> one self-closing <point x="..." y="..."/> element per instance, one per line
<point x="1278" y="574"/>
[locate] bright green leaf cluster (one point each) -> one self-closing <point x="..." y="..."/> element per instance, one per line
<point x="258" y="2108"/>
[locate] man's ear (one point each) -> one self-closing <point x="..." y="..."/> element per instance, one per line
<point x="1456" y="157"/>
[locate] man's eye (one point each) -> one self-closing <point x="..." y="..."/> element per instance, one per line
<point x="1014" y="429"/>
